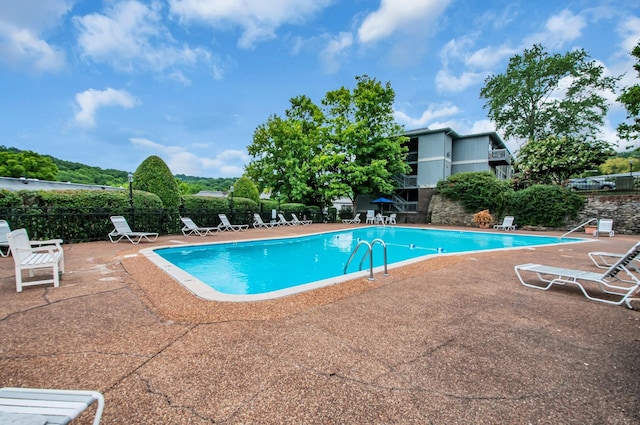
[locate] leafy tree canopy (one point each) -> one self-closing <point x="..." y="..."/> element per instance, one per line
<point x="630" y="98"/>
<point x="542" y="94"/>
<point x="153" y="175"/>
<point x="347" y="146"/>
<point x="27" y="164"/>
<point x="553" y="159"/>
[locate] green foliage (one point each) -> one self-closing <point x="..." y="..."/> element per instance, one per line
<point x="349" y="146"/>
<point x="154" y="176"/>
<point x="554" y="160"/>
<point x="245" y="188"/>
<point x="27" y="164"/>
<point x="477" y="191"/>
<point x="9" y="199"/>
<point x="530" y="100"/>
<point x="243" y="205"/>
<point x="191" y="202"/>
<point x="630" y="98"/>
<point x="190" y="185"/>
<point x="545" y="205"/>
<point x="620" y="164"/>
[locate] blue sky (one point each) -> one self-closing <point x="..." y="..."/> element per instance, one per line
<point x="109" y="83"/>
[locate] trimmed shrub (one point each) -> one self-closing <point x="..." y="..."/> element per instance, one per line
<point x="477" y="191"/>
<point x="154" y="176"/>
<point x="546" y="205"/>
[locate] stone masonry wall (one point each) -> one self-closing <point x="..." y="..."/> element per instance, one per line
<point x="624" y="210"/>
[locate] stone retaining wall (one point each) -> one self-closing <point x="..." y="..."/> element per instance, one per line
<point x="623" y="209"/>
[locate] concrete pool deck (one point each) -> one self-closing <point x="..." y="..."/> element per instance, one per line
<point x="454" y="339"/>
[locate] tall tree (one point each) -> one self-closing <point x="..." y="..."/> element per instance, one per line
<point x="630" y="98"/>
<point x="541" y="94"/>
<point x="350" y="145"/>
<point x="553" y="159"/>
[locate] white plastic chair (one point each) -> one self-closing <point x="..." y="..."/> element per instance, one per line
<point x="33" y="255"/>
<point x="605" y="226"/>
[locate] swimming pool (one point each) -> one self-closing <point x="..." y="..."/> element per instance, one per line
<point x="271" y="268"/>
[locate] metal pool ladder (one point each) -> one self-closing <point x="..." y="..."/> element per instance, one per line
<point x="370" y="252"/>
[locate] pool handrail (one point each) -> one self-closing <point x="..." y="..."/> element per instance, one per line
<point x="578" y="227"/>
<point x="370" y="252"/>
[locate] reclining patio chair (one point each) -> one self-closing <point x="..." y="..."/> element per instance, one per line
<point x="226" y="224"/>
<point x="122" y="230"/>
<point x="191" y="228"/>
<point x="354" y="220"/>
<point x="605" y="227"/>
<point x="617" y="281"/>
<point x="283" y="221"/>
<point x="507" y="224"/>
<point x="32" y="255"/>
<point x="258" y="222"/>
<point x="43" y="406"/>
<point x="297" y="222"/>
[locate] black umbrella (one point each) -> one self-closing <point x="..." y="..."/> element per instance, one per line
<point x="382" y="201"/>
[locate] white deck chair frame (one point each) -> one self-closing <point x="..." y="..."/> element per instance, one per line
<point x="609" y="282"/>
<point x="47" y="405"/>
<point x="259" y="223"/>
<point x="605" y="227"/>
<point x="507" y="224"/>
<point x="371" y="217"/>
<point x="226" y="224"/>
<point x="34" y="255"/>
<point x="283" y="221"/>
<point x="122" y="230"/>
<point x="354" y="220"/>
<point x="191" y="228"/>
<point x="297" y="221"/>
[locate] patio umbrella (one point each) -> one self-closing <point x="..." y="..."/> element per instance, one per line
<point x="382" y="202"/>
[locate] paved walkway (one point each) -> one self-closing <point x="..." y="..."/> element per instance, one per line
<point x="453" y="340"/>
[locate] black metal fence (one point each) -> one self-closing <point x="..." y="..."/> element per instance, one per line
<point x="73" y="225"/>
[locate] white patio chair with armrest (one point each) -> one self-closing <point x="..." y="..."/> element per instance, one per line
<point x="392" y="218"/>
<point x="259" y="223"/>
<point x="354" y="220"/>
<point x="33" y="255"/>
<point x="605" y="227"/>
<point x="122" y="230"/>
<point x="191" y="228"/>
<point x="46" y="406"/>
<point x="295" y="220"/>
<point x="4" y="243"/>
<point x="226" y="224"/>
<point x="371" y="217"/>
<point x="618" y="280"/>
<point x="507" y="224"/>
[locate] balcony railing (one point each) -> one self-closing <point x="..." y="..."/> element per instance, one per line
<point x="499" y="157"/>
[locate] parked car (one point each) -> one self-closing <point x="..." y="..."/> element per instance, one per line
<point x="591" y="184"/>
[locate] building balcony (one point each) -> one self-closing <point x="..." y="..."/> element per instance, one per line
<point x="499" y="157"/>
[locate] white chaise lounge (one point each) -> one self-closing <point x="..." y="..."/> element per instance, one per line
<point x="122" y="230"/>
<point x="618" y="282"/>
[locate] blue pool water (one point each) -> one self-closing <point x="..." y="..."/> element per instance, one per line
<point x="265" y="266"/>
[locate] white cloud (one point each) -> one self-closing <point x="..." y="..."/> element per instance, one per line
<point x="400" y="16"/>
<point x="22" y="24"/>
<point x="259" y="19"/>
<point x="91" y="100"/>
<point x="334" y="51"/>
<point x="559" y="30"/>
<point x="130" y="35"/>
<point x="450" y="83"/>
<point x="433" y="112"/>
<point x="181" y="160"/>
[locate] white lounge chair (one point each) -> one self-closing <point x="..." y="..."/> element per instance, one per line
<point x="371" y="217"/>
<point x="122" y="230"/>
<point x="44" y="406"/>
<point x="604" y="260"/>
<point x="283" y="221"/>
<point x="259" y="223"/>
<point x="226" y="224"/>
<point x="4" y="243"/>
<point x="354" y="220"/>
<point x="32" y="255"/>
<point x="296" y="221"/>
<point x="605" y="227"/>
<point x="618" y="280"/>
<point x="507" y="224"/>
<point x="191" y="228"/>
